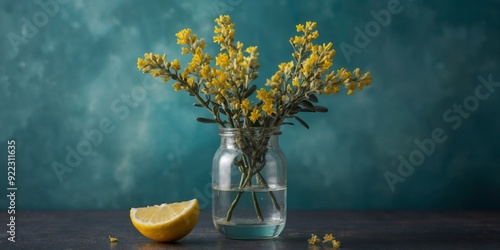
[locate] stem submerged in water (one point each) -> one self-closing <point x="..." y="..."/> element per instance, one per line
<point x="253" y="159"/>
<point x="246" y="180"/>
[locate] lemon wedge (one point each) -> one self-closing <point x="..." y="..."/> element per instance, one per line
<point x="166" y="222"/>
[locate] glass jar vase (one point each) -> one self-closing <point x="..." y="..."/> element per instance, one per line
<point x="249" y="184"/>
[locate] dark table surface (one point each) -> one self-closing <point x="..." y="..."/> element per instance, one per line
<point x="355" y="229"/>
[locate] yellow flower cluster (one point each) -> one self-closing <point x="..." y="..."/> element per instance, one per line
<point x="314" y="240"/>
<point x="225" y="88"/>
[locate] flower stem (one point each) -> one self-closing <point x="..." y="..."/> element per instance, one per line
<point x="233" y="205"/>
<point x="271" y="194"/>
<point x="249" y="167"/>
<point x="257" y="208"/>
<point x="245" y="178"/>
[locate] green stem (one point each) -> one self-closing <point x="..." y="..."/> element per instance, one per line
<point x="245" y="178"/>
<point x="257" y="208"/>
<point x="233" y="205"/>
<point x="271" y="194"/>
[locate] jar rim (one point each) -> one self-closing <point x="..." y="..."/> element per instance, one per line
<point x="249" y="131"/>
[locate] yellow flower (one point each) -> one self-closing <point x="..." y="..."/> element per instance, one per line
<point x="223" y="19"/>
<point x="255" y="115"/>
<point x="351" y="88"/>
<point x="245" y="106"/>
<point x="197" y="57"/>
<point x="235" y="104"/>
<point x="141" y="63"/>
<point x="190" y="81"/>
<point x="326" y="65"/>
<point x="261" y="94"/>
<point x="218" y="39"/>
<point x="310" y="25"/>
<point x="160" y="59"/>
<point x="184" y="50"/>
<point x="295" y="82"/>
<point x="309" y="63"/>
<point x="268" y="106"/>
<point x="336" y="244"/>
<point x="177" y="86"/>
<point x="300" y="28"/>
<point x="314" y="239"/>
<point x="221" y="76"/>
<point x="251" y="49"/>
<point x="239" y="45"/>
<point x="217" y="30"/>
<point x="222" y="60"/>
<point x="176" y="65"/>
<point x="284" y="68"/>
<point x="276" y="78"/>
<point x="297" y="40"/>
<point x="344" y="74"/>
<point x="183" y="36"/>
<point x="205" y="72"/>
<point x="365" y="80"/>
<point x="331" y="90"/>
<point x="314" y="35"/>
<point x="328" y="238"/>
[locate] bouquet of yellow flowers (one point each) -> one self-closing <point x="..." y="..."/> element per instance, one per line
<point x="227" y="91"/>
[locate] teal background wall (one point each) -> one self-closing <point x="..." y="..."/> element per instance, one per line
<point x="68" y="66"/>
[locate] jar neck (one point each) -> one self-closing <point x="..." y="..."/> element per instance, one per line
<point x="232" y="136"/>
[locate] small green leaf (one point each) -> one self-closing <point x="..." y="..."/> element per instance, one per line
<point x="250" y="91"/>
<point x="301" y="122"/>
<point x="305" y="110"/>
<point x="307" y="104"/>
<point x="205" y="120"/>
<point x="287" y="123"/>
<point x="197" y="105"/>
<point x="321" y="109"/>
<point x="313" y="98"/>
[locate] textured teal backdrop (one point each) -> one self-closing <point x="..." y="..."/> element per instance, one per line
<point x="68" y="66"/>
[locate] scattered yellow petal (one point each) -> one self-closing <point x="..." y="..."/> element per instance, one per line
<point x="314" y="239"/>
<point x="113" y="239"/>
<point x="328" y="238"/>
<point x="336" y="244"/>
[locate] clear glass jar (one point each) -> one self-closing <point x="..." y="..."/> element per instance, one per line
<point x="249" y="184"/>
